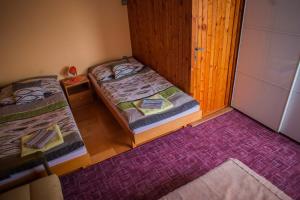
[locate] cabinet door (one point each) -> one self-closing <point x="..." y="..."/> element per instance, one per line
<point x="290" y="125"/>
<point x="216" y="28"/>
<point x="268" y="57"/>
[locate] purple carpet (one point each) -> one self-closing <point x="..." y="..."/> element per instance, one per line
<point x="156" y="168"/>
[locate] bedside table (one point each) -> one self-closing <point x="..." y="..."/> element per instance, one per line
<point x="79" y="93"/>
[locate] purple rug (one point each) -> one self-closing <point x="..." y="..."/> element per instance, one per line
<point x="156" y="168"/>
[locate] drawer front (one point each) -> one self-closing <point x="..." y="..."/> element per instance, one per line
<point x="81" y="99"/>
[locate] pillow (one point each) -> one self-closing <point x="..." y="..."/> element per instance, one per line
<point x="103" y="71"/>
<point x="6" y="96"/>
<point x="126" y="69"/>
<point x="104" y="74"/>
<point x="50" y="87"/>
<point x="49" y="84"/>
<point x="28" y="92"/>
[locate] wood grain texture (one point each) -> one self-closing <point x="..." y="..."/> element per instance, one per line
<point x="71" y="165"/>
<point x="164" y="35"/>
<point x="161" y="37"/>
<point x="101" y="133"/>
<point x="218" y="33"/>
<point x="78" y="93"/>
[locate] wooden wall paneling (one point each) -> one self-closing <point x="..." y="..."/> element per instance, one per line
<point x="229" y="31"/>
<point x="195" y="43"/>
<point x="217" y="34"/>
<point x="204" y="43"/>
<point x="175" y="40"/>
<point x="217" y="46"/>
<point x="199" y="52"/>
<point x="180" y="47"/>
<point x="195" y="16"/>
<point x="161" y="37"/>
<point x="203" y="85"/>
<point x="216" y="43"/>
<point x="211" y="15"/>
<point x="213" y="54"/>
<point x="165" y="33"/>
<point x="218" y="93"/>
<point x="199" y="41"/>
<point x="188" y="33"/>
<point x="236" y="33"/>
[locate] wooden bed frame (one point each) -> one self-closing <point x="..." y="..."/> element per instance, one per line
<point x="71" y="165"/>
<point x="59" y="169"/>
<point x="150" y="134"/>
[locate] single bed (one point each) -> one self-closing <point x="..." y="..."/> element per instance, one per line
<point x="120" y="95"/>
<point x="19" y="120"/>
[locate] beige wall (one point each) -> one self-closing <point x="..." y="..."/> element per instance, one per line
<point x="40" y="37"/>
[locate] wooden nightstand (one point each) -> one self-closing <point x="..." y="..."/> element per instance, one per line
<point x="79" y="93"/>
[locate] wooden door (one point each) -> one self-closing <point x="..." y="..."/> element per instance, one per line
<point x="215" y="32"/>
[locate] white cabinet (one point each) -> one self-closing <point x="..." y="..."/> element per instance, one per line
<point x="268" y="57"/>
<point x="290" y="124"/>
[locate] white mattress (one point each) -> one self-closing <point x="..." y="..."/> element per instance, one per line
<point x="149" y="126"/>
<point x="74" y="154"/>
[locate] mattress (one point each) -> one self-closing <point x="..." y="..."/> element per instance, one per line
<point x="174" y="117"/>
<point x="19" y="120"/>
<point x="123" y="92"/>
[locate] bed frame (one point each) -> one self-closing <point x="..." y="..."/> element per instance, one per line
<point x="82" y="161"/>
<point x="59" y="169"/>
<point x="150" y="134"/>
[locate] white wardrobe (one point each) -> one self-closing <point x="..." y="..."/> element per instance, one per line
<point x="268" y="59"/>
<point x="290" y="124"/>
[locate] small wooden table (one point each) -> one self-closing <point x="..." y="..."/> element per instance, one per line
<point x="78" y="93"/>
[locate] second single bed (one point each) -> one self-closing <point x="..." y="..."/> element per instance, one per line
<point x="125" y="83"/>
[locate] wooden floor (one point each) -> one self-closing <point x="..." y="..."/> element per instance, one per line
<point x="102" y="134"/>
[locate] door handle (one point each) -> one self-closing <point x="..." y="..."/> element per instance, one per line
<point x="195" y="52"/>
<point x="199" y="49"/>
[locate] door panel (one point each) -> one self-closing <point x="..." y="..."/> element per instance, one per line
<point x="268" y="57"/>
<point x="217" y="30"/>
<point x="260" y="99"/>
<point x="290" y="125"/>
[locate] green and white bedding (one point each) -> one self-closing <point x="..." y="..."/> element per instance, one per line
<point x="124" y="91"/>
<point x="19" y="120"/>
